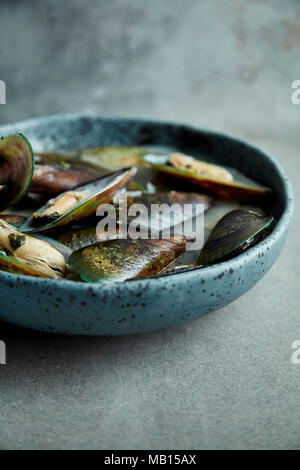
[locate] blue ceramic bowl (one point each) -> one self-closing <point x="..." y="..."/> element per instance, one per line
<point x="147" y="304"/>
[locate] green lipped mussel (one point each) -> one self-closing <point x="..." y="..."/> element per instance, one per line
<point x="79" y="203"/>
<point x="233" y="234"/>
<point x="79" y="185"/>
<point x="55" y="173"/>
<point x="119" y="260"/>
<point x="113" y="158"/>
<point x="16" y="168"/>
<point x="22" y="253"/>
<point x="147" y="220"/>
<point x="225" y="183"/>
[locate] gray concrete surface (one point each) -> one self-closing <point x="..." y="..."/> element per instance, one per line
<point x="227" y="380"/>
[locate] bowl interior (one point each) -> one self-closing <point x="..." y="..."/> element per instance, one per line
<point x="71" y="131"/>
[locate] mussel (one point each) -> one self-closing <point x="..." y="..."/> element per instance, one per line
<point x="79" y="237"/>
<point x="64" y="249"/>
<point x="79" y="203"/>
<point x="20" y="266"/>
<point x="113" y="158"/>
<point x="225" y="183"/>
<point x="55" y="173"/>
<point x="181" y="207"/>
<point x="233" y="234"/>
<point x="154" y="218"/>
<point x="21" y="253"/>
<point x="119" y="260"/>
<point x="16" y="168"/>
<point x="184" y="206"/>
<point x="190" y="258"/>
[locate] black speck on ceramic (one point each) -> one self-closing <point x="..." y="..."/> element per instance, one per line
<point x="147" y="304"/>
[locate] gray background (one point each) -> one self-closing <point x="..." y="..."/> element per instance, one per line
<point x="225" y="381"/>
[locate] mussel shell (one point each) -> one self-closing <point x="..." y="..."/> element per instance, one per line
<point x="38" y="252"/>
<point x="152" y="180"/>
<point x="121" y="259"/>
<point x="76" y="238"/>
<point x="98" y="192"/>
<point x="80" y="237"/>
<point x="234" y="233"/>
<point x="16" y="168"/>
<point x="184" y="206"/>
<point x="241" y="188"/>
<point x="114" y="158"/>
<point x="19" y="266"/>
<point x="170" y="198"/>
<point x="55" y="173"/>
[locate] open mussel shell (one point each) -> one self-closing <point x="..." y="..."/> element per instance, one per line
<point x="76" y="238"/>
<point x="40" y="255"/>
<point x="233" y="234"/>
<point x="122" y="259"/>
<point x="166" y="210"/>
<point x="114" y="158"/>
<point x="170" y="198"/>
<point x="80" y="203"/>
<point x="225" y="183"/>
<point x="19" y="266"/>
<point x="16" y="168"/>
<point x="55" y="173"/>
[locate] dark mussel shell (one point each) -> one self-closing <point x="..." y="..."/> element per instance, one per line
<point x="16" y="168"/>
<point x="55" y="173"/>
<point x="233" y="234"/>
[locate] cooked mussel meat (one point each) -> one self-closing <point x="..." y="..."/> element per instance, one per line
<point x="37" y="255"/>
<point x="79" y="203"/>
<point x="225" y="183"/>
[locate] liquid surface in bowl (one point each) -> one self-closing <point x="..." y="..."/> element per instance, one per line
<point x="113" y="214"/>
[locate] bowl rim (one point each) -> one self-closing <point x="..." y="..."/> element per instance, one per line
<point x="281" y="228"/>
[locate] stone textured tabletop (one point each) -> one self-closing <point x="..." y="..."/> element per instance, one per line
<point x="226" y="380"/>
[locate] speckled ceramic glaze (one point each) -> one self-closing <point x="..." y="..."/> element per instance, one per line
<point x="147" y="304"/>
